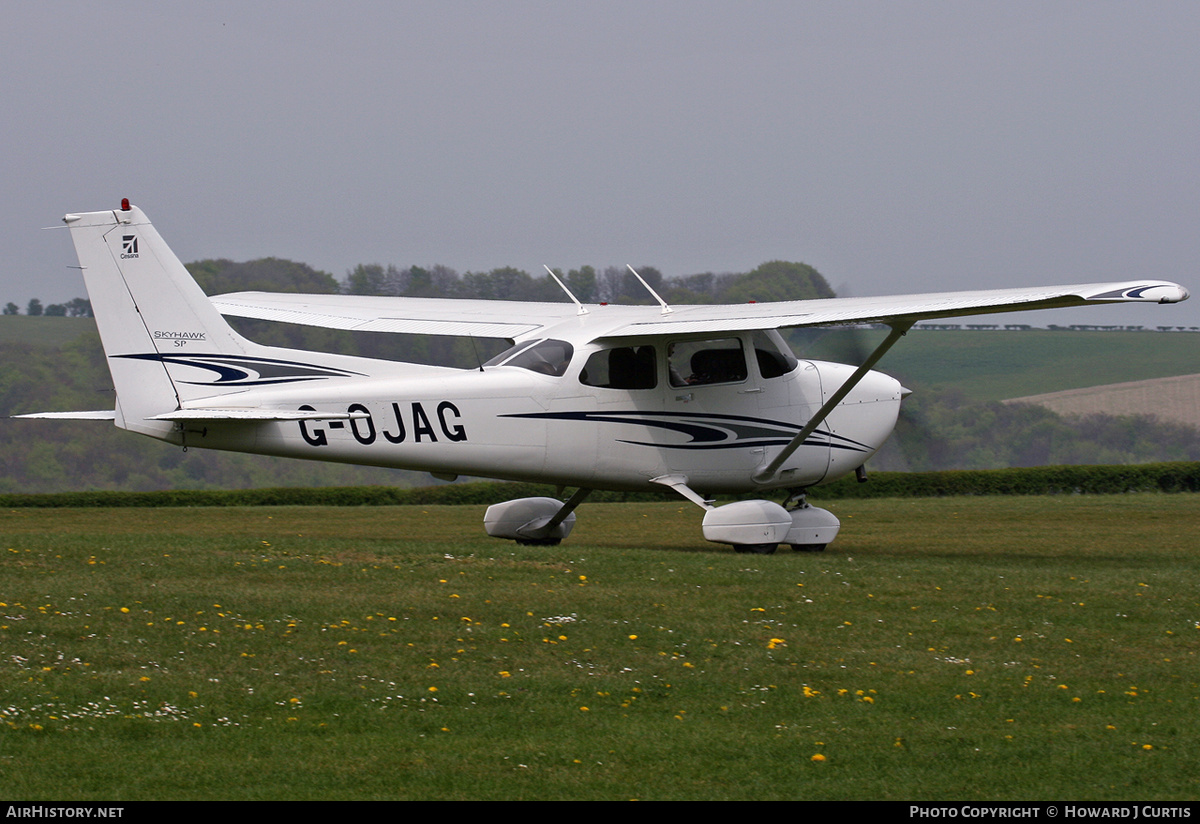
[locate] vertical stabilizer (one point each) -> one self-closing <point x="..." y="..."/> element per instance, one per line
<point x="157" y="326"/>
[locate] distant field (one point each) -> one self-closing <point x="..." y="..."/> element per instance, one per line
<point x="1170" y="399"/>
<point x="993" y="366"/>
<point x="43" y="331"/>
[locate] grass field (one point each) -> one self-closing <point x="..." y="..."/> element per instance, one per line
<point x="990" y="648"/>
<point x="1171" y="399"/>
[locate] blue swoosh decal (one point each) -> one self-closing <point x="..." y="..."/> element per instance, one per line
<point x="707" y="430"/>
<point x="236" y="370"/>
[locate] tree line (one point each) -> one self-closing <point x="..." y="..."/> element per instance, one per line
<point x="775" y="280"/>
<point x="74" y="308"/>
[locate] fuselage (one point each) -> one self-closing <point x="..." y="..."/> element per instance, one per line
<point x="605" y="415"/>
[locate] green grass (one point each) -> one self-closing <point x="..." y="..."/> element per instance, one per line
<point x="991" y="648"/>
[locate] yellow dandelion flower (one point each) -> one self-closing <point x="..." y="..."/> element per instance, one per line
<point x="818" y="758"/>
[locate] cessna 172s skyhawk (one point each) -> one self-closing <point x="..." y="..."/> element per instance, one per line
<point x="699" y="399"/>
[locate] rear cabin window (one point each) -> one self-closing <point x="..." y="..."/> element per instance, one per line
<point x="701" y="362"/>
<point x="624" y="367"/>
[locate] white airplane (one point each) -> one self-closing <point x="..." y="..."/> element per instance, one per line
<point x="698" y="399"/>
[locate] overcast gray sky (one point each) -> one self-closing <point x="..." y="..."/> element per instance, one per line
<point x="896" y="146"/>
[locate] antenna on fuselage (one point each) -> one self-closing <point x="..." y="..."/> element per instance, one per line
<point x="582" y="309"/>
<point x="475" y="349"/>
<point x="666" y="310"/>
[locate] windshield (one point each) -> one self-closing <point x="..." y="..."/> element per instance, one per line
<point x="546" y="357"/>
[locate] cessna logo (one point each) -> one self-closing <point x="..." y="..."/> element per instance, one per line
<point x="129" y="246"/>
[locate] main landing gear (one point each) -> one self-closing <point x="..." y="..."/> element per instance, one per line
<point x="533" y="521"/>
<point x="752" y="527"/>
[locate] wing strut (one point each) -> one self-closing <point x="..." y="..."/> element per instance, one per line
<point x="767" y="473"/>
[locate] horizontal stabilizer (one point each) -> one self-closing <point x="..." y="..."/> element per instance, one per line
<point x="259" y="415"/>
<point x="97" y="415"/>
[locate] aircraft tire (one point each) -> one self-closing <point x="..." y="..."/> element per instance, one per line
<point x="755" y="549"/>
<point x="538" y="541"/>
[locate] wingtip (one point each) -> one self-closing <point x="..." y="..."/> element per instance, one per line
<point x="1164" y="293"/>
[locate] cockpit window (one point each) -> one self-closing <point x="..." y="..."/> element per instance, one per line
<point x="624" y="367"/>
<point x="699" y="362"/>
<point x="546" y="357"/>
<point x="774" y="356"/>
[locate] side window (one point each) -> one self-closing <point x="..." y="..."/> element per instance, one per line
<point x="625" y="367"/>
<point x="700" y="362"/>
<point x="774" y="356"/>
<point x="546" y="357"/>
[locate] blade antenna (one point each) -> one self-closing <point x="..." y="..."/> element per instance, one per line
<point x="582" y="309"/>
<point x="666" y="310"/>
<point x="475" y="349"/>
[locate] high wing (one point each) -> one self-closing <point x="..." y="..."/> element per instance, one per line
<point x="515" y="319"/>
<point x="414" y="316"/>
<point x="900" y="309"/>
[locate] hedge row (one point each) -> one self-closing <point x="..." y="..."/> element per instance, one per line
<point x="1040" y="480"/>
<point x="1046" y="480"/>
